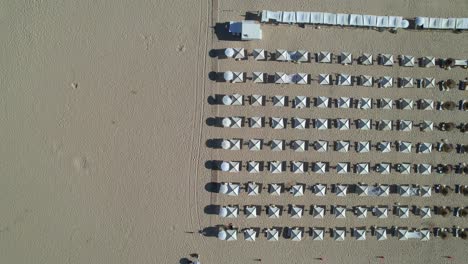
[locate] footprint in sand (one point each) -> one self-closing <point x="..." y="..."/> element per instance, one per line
<point x="81" y="164"/>
<point x="181" y="48"/>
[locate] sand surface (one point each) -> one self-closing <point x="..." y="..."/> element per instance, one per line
<point x="104" y="131"/>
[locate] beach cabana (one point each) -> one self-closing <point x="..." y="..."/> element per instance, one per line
<point x="425" y="191"/>
<point x="404" y="146"/>
<point x="362" y="168"/>
<point x="318" y="211"/>
<point x="277" y="144"/>
<point x="279" y="100"/>
<point x="297" y="190"/>
<point x="384" y="146"/>
<point x="231" y="166"/>
<point x="253" y="167"/>
<point x="425" y="234"/>
<point x="428" y="82"/>
<point x="341" y="190"/>
<point x="297" y="166"/>
<point x="299" y="145"/>
<point x="346" y="58"/>
<point x="366" y="59"/>
<point x="299" y="123"/>
<point x="296" y="212"/>
<point x="235" y="99"/>
<point x="342" y="167"/>
<point x="325" y="79"/>
<point x="258" y="77"/>
<point x="426" y="104"/>
<point x="360" y="233"/>
<point x="403" y="211"/>
<point x="321" y="123"/>
<point x="361" y="212"/>
<point x="231" y="144"/>
<point x="427" y="62"/>
<point x="257" y="100"/>
<point x="229" y="188"/>
<point x="406" y="61"/>
<point x="282" y="55"/>
<point x="322" y="102"/>
<point x="276" y="166"/>
<point x="250" y="234"/>
<point x="383" y="168"/>
<point x="340" y="211"/>
<point x="272" y="234"/>
<point x="259" y="54"/>
<point x="405" y="104"/>
<point x="403" y="168"/>
<point x="426" y="126"/>
<point x="256" y="122"/>
<point x="386" y="59"/>
<point x="273" y="211"/>
<point x="296" y="234"/>
<point x="406" y="82"/>
<point x="402" y="234"/>
<point x="318" y="233"/>
<point x="300" y="56"/>
<point x="362" y="189"/>
<point x="367" y="81"/>
<point x="343" y="102"/>
<point x="227" y="235"/>
<point x="233" y="122"/>
<point x="250" y="211"/>
<point x="383" y="190"/>
<point x="424" y="147"/>
<point x="253" y="189"/>
<point x="277" y="123"/>
<point x="320" y="167"/>
<point x="300" y="78"/>
<point x="424" y="168"/>
<point x="344" y="80"/>
<point x="364" y="124"/>
<point x="386" y="82"/>
<point x="228" y="211"/>
<point x="425" y="212"/>
<point x="320" y="189"/>
<point x="274" y="189"/>
<point x="380" y="211"/>
<point x="342" y="146"/>
<point x="381" y="234"/>
<point x="321" y="145"/>
<point x="339" y="234"/>
<point x="281" y="78"/>
<point x="365" y="103"/>
<point x="386" y="103"/>
<point x="300" y="102"/>
<point x="342" y="123"/>
<point x="405" y="125"/>
<point x="237" y="77"/>
<point x="385" y="125"/>
<point x="324" y="57"/>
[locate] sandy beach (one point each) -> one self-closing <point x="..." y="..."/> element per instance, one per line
<point x="106" y="110"/>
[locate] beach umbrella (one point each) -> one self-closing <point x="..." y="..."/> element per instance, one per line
<point x="447" y="148"/>
<point x="229" y="52"/>
<point x="420" y="21"/>
<point x="450" y="84"/>
<point x="449" y="105"/>
<point x="227" y="100"/>
<point x="228" y="76"/>
<point x="225" y="166"/>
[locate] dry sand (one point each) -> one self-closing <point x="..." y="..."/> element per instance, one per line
<point x="104" y="108"/>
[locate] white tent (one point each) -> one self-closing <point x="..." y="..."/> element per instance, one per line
<point x="366" y="59"/>
<point x="282" y="78"/>
<point x="425" y="212"/>
<point x="257" y="100"/>
<point x="258" y="77"/>
<point x="277" y="123"/>
<point x="383" y="168"/>
<point x="273" y="211"/>
<point x="382" y="21"/>
<point x="303" y="17"/>
<point x="251" y="212"/>
<point x="275" y="16"/>
<point x="385" y="146"/>
<point x="428" y="82"/>
<point x="341" y="190"/>
<point x="363" y="146"/>
<point x="405" y="125"/>
<point x="297" y="166"/>
<point x="235" y="99"/>
<point x="342" y="123"/>
<point x="320" y="167"/>
<point x="340" y="211"/>
<point x="424" y="168"/>
<point x="318" y="233"/>
<point x="229" y="212"/>
<point x="277" y="144"/>
<point x="403" y="168"/>
<point x="426" y="191"/>
<point x="296" y="212"/>
<point x="380" y="212"/>
<point x="402" y="234"/>
<point x="424" y="147"/>
<point x="386" y="59"/>
<point x="255" y="144"/>
<point x="229" y="188"/>
<point x="279" y="100"/>
<point x="426" y="104"/>
<point x="406" y="104"/>
<point x="425" y="234"/>
<point x="385" y="125"/>
<point x="229" y="52"/>
<point x="342" y="146"/>
<point x="406" y="61"/>
<point x="386" y="103"/>
<point x="383" y="190"/>
<point x="232" y="122"/>
<point x="238" y="77"/>
<point x="259" y="54"/>
<point x="403" y="211"/>
<point x="316" y="17"/>
<point x="297" y="190"/>
<point x="299" y="145"/>
<point x="227" y="235"/>
<point x="360" y="234"/>
<point x="381" y="234"/>
<point x="322" y="102"/>
<point x="296" y="234"/>
<point x="365" y="103"/>
<point x="325" y="79"/>
<point x="239" y="53"/>
<point x="343" y="102"/>
<point x="253" y="167"/>
<point x="256" y="122"/>
<point x="361" y="212"/>
<point x="426" y="126"/>
<point x="272" y="234"/>
<point x="367" y="80"/>
<point x="362" y="168"/>
<point x="320" y="189"/>
<point x="321" y="145"/>
<point x="369" y="20"/>
<point x="301" y="102"/>
<point x="299" y="123"/>
<point x="282" y="55"/>
<point x="404" y="146"/>
<point x="253" y="189"/>
<point x="318" y="211"/>
<point x="344" y="80"/>
<point x="362" y="189"/>
<point x="231" y="144"/>
<point x="406" y="82"/>
<point x="342" y="167"/>
<point x="289" y="17"/>
<point x="386" y="82"/>
<point x="276" y="166"/>
<point x="339" y="234"/>
<point x="342" y="19"/>
<point x="231" y="166"/>
<point x="300" y="56"/>
<point x="329" y="18"/>
<point x="427" y="62"/>
<point x="364" y="124"/>
<point x="274" y="189"/>
<point x="346" y="58"/>
<point x="324" y="57"/>
<point x="250" y="234"/>
<point x="299" y="78"/>
<point x="356" y="20"/>
<point x="321" y="123"/>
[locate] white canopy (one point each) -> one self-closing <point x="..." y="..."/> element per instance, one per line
<point x="361" y="212"/>
<point x="253" y="167"/>
<point x="303" y="17"/>
<point x="296" y="234"/>
<point x="362" y="168"/>
<point x="369" y="20"/>
<point x="426" y="104"/>
<point x="386" y="82"/>
<point x="274" y="189"/>
<point x="343" y="102"/>
<point x="405" y="125"/>
<point x="301" y="102"/>
<point x="297" y="166"/>
<point x="404" y="146"/>
<point x="340" y="212"/>
<point x="342" y="167"/>
<point x="424" y="168"/>
<point x="299" y="123"/>
<point x="289" y="17"/>
<point x="364" y="124"/>
<point x="272" y="234"/>
<point x="227" y="235"/>
<point x="404" y="190"/>
<point x="386" y="103"/>
<point x="341" y="190"/>
<point x="386" y="59"/>
<point x="258" y="77"/>
<point x="296" y="212"/>
<point x="344" y="80"/>
<point x="406" y="104"/>
<point x="381" y="234"/>
<point x="366" y="59"/>
<point x="362" y="189"/>
<point x="256" y="122"/>
<point x="342" y="19"/>
<point x="346" y="58"/>
<point x="406" y="82"/>
<point x="367" y="81"/>
<point x="425" y="191"/>
<point x="251" y="212"/>
<point x="425" y="234"/>
<point x="229" y="188"/>
<point x="385" y="125"/>
<point x="316" y="17"/>
<point x="322" y="102"/>
<point x="325" y="79"/>
<point x="403" y="168"/>
<point x="279" y="100"/>
<point x="424" y="147"/>
<point x="250" y="234"/>
<point x="403" y="211"/>
<point x="407" y="61"/>
<point x="320" y="189"/>
<point x="365" y="103"/>
<point x="255" y="144"/>
<point x="342" y="146"/>
<point x="339" y="234"/>
<point x="276" y="166"/>
<point x="318" y="233"/>
<point x="300" y="56"/>
<point x="232" y="144"/>
<point x="320" y="167"/>
<point x="297" y="190"/>
<point x="318" y="211"/>
<point x="277" y="144"/>
<point x="275" y="16"/>
<point x="299" y="78"/>
<point x="257" y="100"/>
<point x="425" y="212"/>
<point x="282" y="55"/>
<point x="427" y="126"/>
<point x="380" y="212"/>
<point x="259" y="54"/>
<point x="342" y="123"/>
<point x="298" y="145"/>
<point x="229" y="212"/>
<point x="273" y="211"/>
<point x="277" y="123"/>
<point x="321" y="145"/>
<point x="321" y="123"/>
<point x="385" y="146"/>
<point x="238" y="77"/>
<point x="360" y="234"/>
<point x="383" y="168"/>
<point x="428" y="61"/>
<point x="324" y="57"/>
<point x="402" y="234"/>
<point x="253" y="189"/>
<point x="282" y="78"/>
<point x="329" y="18"/>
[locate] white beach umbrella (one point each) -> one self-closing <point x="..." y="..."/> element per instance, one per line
<point x="272" y="234"/>
<point x="276" y="166"/>
<point x="274" y="189"/>
<point x="229" y="52"/>
<point x="321" y="145"/>
<point x="342" y="123"/>
<point x="297" y="167"/>
<point x="296" y="212"/>
<point x="342" y="167"/>
<point x="227" y="235"/>
<point x="425" y="212"/>
<point x="296" y="234"/>
<point x="386" y="59"/>
<point x="360" y="234"/>
<point x="325" y="79"/>
<point x="279" y="100"/>
<point x="341" y="190"/>
<point x="402" y="234"/>
<point x="361" y="212"/>
<point x="228" y="76"/>
<point x="250" y="234"/>
<point x="299" y="145"/>
<point x="253" y="167"/>
<point x="251" y="212"/>
<point x="386" y="103"/>
<point x="253" y="189"/>
<point x="340" y="212"/>
<point x="366" y="59"/>
<point x="318" y="233"/>
<point x="277" y="145"/>
<point x="322" y="102"/>
<point x="300" y="102"/>
<point x="362" y="189"/>
<point x="339" y="234"/>
<point x="381" y="234"/>
<point x="297" y="190"/>
<point x="403" y="211"/>
<point x="342" y="146"/>
<point x="320" y="189"/>
<point x="273" y="211"/>
<point x="363" y="146"/>
<point x="381" y="212"/>
<point x="343" y="102"/>
<point x="362" y="168"/>
<point x="320" y="167"/>
<point x="318" y="211"/>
